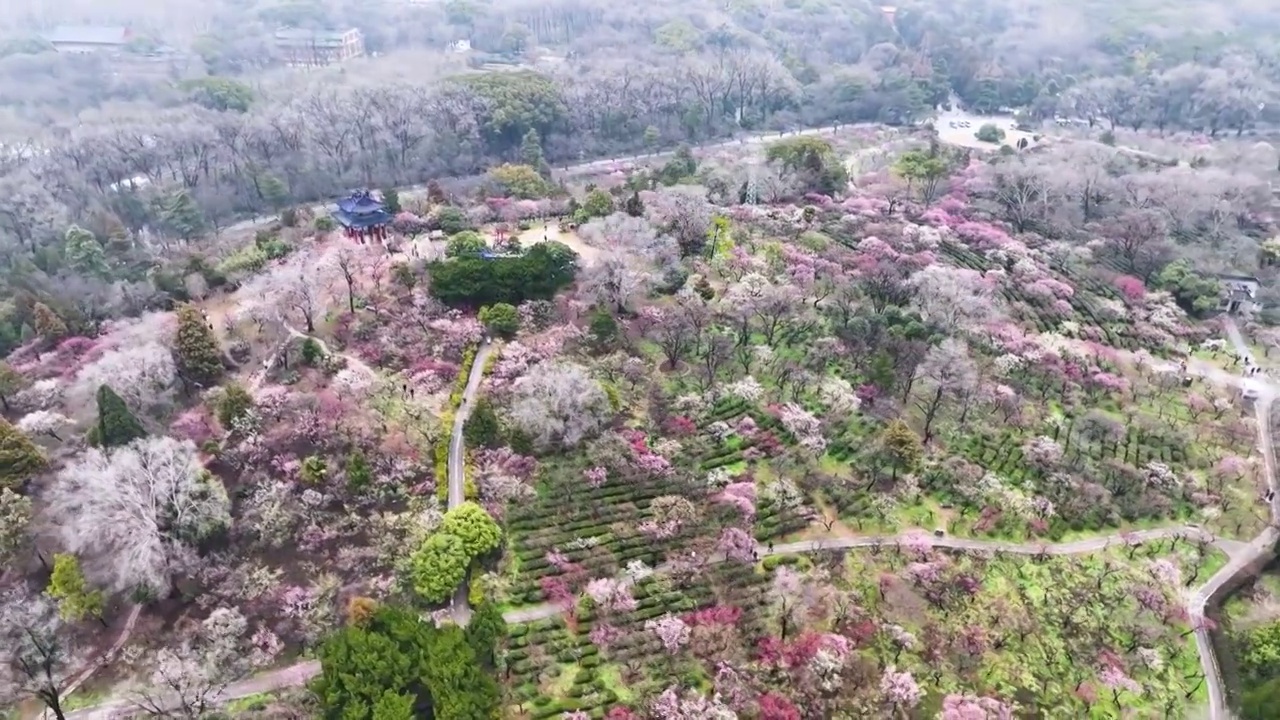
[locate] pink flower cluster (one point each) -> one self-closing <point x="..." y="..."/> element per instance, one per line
<point x="741" y="495"/>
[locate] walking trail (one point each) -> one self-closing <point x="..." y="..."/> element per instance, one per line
<point x="457" y="462"/>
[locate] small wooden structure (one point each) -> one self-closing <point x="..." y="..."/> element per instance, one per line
<point x="362" y="216"/>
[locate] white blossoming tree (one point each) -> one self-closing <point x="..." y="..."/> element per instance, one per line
<point x="142" y="375"/>
<point x="137" y="513"/>
<point x="559" y="404"/>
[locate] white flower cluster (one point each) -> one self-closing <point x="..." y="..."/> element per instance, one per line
<point x="748" y="388"/>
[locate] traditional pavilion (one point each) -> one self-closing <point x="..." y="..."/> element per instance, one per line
<point x="363" y="216"/>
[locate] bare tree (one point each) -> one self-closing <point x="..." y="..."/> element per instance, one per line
<point x="36" y="656"/>
<point x="1136" y="238"/>
<point x="345" y="261"/>
<point x="185" y="683"/>
<point x="947" y="372"/>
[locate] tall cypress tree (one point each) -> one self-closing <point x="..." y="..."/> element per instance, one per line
<point x="195" y="350"/>
<point x="117" y="425"/>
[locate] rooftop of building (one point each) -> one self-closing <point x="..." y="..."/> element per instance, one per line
<point x="1238" y="278"/>
<point x="361" y="209"/>
<point x="310" y="35"/>
<point x="89" y="35"/>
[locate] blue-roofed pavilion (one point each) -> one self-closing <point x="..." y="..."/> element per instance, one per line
<point x="362" y="215"/>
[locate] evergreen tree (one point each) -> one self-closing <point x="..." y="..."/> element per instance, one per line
<point x="273" y="190"/>
<point x="11" y="381"/>
<point x="48" y="325"/>
<point x="391" y="200"/>
<point x="76" y="600"/>
<point x="652" y="136"/>
<point x="117" y="425"/>
<point x="182" y="216"/>
<point x="19" y="457"/>
<point x="15" y="520"/>
<point x="312" y="354"/>
<point x="901" y="447"/>
<point x="435" y="194"/>
<point x="195" y="350"/>
<point x="634" y="205"/>
<point x="84" y="252"/>
<point x="531" y="150"/>
<point x="233" y="404"/>
<point x="501" y="319"/>
<point x="482" y="428"/>
<point x="485" y="631"/>
<point x="358" y="473"/>
<point x="598" y="204"/>
<point x="393" y="706"/>
<point x="603" y="331"/>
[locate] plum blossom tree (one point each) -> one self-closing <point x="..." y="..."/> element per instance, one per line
<point x="559" y="404"/>
<point x="946" y="373"/>
<point x="611" y="595"/>
<point x="953" y="297"/>
<point x="670" y="630"/>
<point x="900" y="689"/>
<point x="186" y="677"/>
<point x="970" y="707"/>
<point x="43" y="422"/>
<point x="613" y="281"/>
<point x="142" y="375"/>
<point x="668" y="515"/>
<point x="670" y="705"/>
<point x="737" y="545"/>
<point x="137" y="512"/>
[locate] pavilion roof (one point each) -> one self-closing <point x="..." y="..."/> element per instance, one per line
<point x="361" y="220"/>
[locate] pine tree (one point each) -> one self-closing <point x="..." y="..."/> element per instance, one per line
<point x="19" y="457"/>
<point x="76" y="600"/>
<point x="901" y="447"/>
<point x="84" y="252"/>
<point x="117" y="425"/>
<point x="391" y="200"/>
<point x="393" y="706"/>
<point x="47" y="323"/>
<point x="531" y="150"/>
<point x="11" y="381"/>
<point x="358" y="473"/>
<point x="234" y="403"/>
<point x="183" y="216"/>
<point x="273" y="191"/>
<point x="634" y="205"/>
<point x="195" y="350"/>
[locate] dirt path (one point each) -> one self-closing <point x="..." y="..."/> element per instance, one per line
<point x="551" y="233"/>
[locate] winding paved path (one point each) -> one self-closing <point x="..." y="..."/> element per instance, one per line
<point x="804" y="547"/>
<point x="457" y="465"/>
<point x="1257" y="551"/>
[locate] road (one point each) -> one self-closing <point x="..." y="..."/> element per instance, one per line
<point x="1245" y="562"/>
<point x="418" y="191"/>
<point x="804" y="547"/>
<point x="298" y="674"/>
<point x="457" y="465"/>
